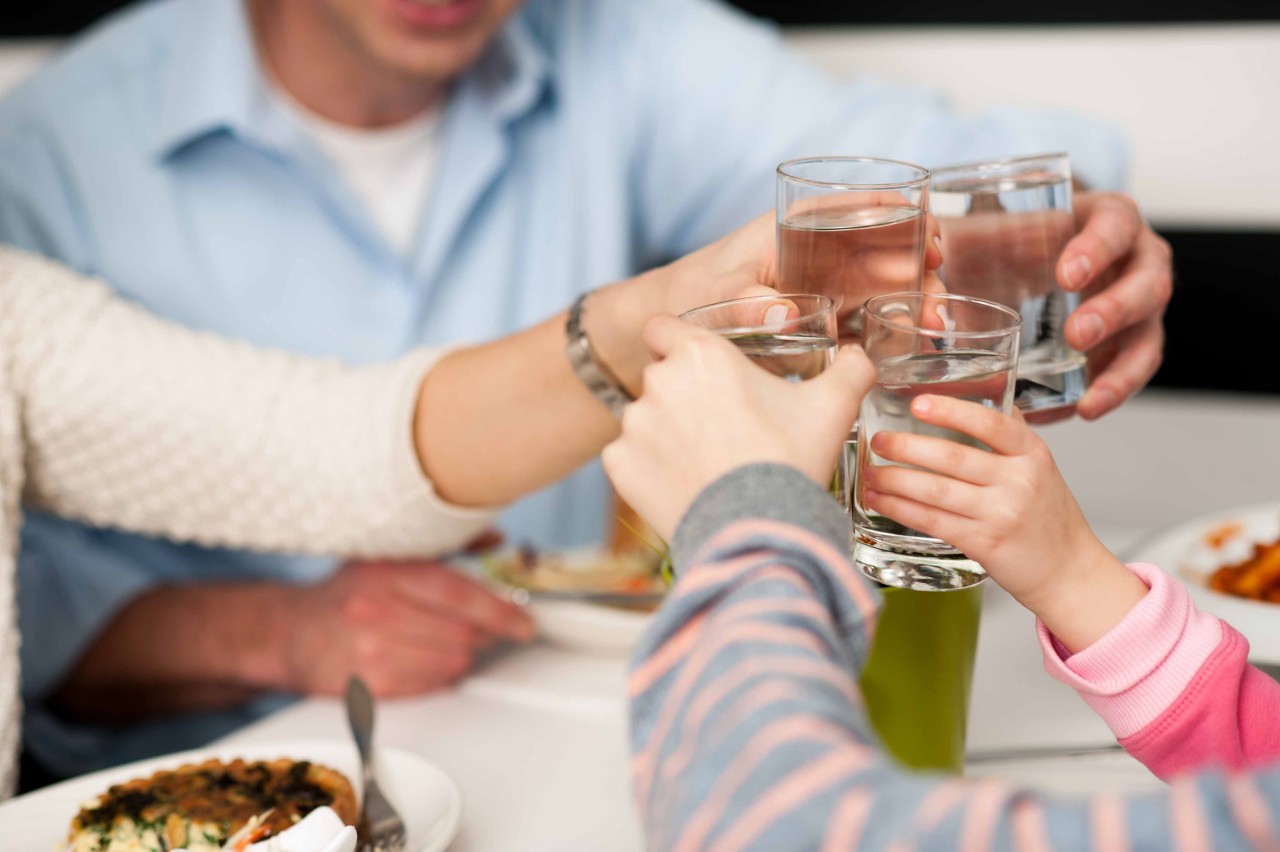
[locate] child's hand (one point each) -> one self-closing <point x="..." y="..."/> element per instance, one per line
<point x="1009" y="510"/>
<point x="706" y="409"/>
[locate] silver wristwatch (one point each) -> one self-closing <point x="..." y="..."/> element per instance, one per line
<point x="598" y="378"/>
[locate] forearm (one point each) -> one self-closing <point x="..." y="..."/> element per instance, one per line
<point x="181" y="648"/>
<point x="137" y="423"/>
<point x="1174" y="684"/>
<point x="746" y="730"/>
<point x="497" y="421"/>
<point x="766" y="618"/>
<point x="1095" y="592"/>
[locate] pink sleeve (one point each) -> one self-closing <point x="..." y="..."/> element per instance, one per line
<point x="1174" y="685"/>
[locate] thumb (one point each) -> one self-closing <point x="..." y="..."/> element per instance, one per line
<point x="848" y="378"/>
<point x="662" y="333"/>
<point x="761" y="307"/>
<point x="932" y="243"/>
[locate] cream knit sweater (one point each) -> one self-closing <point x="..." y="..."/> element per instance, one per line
<point x="116" y="418"/>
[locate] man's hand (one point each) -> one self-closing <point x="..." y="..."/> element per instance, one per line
<point x="1126" y="270"/>
<point x="707" y="409"/>
<point x="405" y="627"/>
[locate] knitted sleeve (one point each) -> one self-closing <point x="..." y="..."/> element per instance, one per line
<point x="134" y="422"/>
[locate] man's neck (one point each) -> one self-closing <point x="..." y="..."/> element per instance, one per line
<point x="349" y="87"/>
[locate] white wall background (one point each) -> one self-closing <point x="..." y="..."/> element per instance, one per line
<point x="1200" y="103"/>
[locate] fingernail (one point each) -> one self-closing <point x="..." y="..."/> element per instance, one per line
<point x="776" y="315"/>
<point x="921" y="405"/>
<point x="1089" y="328"/>
<point x="1078" y="271"/>
<point x="937" y="241"/>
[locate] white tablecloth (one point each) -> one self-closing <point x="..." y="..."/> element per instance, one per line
<point x="537" y="739"/>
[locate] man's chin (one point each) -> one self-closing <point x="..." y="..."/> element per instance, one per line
<point x="440" y="60"/>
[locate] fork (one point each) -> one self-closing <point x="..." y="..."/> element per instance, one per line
<point x="380" y="828"/>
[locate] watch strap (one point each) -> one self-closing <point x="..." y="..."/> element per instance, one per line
<point x="588" y="367"/>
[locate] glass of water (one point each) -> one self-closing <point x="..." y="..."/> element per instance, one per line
<point x="926" y="344"/>
<point x="1004" y="226"/>
<point x="850" y="228"/>
<point x="795" y="348"/>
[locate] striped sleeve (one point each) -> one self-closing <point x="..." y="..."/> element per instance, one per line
<point x="747" y="730"/>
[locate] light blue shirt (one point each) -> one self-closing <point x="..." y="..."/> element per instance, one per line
<point x="594" y="138"/>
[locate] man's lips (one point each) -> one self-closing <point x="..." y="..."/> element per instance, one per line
<point x="437" y="14"/>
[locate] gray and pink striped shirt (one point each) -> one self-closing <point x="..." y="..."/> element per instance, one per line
<point x="748" y="731"/>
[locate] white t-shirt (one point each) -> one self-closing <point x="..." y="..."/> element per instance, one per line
<point x="390" y="169"/>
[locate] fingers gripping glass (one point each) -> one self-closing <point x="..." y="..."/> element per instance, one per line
<point x="926" y="344"/>
<point x="1004" y="225"/>
<point x="793" y="337"/>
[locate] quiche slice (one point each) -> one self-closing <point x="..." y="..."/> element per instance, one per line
<point x="199" y="806"/>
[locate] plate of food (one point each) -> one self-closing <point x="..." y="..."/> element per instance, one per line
<point x="588" y="600"/>
<point x="1231" y="563"/>
<point x="203" y="800"/>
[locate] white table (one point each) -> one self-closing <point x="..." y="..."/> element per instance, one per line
<point x="537" y="739"/>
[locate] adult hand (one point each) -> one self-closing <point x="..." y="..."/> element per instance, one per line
<point x="707" y="410"/>
<point x="1126" y="270"/>
<point x="405" y="627"/>
<point x="742" y="264"/>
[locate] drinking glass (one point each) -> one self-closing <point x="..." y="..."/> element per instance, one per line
<point x="850" y="228"/>
<point x="1004" y="225"/>
<point x="796" y="348"/>
<point x="924" y="343"/>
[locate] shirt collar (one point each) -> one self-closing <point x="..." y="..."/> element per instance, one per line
<point x="514" y="72"/>
<point x="214" y="82"/>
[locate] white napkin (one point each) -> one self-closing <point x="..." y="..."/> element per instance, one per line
<point x="322" y="830"/>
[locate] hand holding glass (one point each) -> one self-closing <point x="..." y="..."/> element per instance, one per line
<point x="794" y="342"/>
<point x="1004" y="226"/>
<point x="926" y="344"/>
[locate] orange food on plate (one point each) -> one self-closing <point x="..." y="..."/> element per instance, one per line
<point x="1219" y="535"/>
<point x="1258" y="577"/>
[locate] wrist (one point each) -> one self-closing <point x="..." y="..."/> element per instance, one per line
<point x="263" y="626"/>
<point x="614" y="321"/>
<point x="1087" y="598"/>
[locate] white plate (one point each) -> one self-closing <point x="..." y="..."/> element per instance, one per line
<point x="590" y="627"/>
<point x="1175" y="550"/>
<point x="428" y="800"/>
<point x="579" y="625"/>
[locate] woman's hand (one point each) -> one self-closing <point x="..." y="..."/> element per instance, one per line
<point x="1008" y="509"/>
<point x="739" y="265"/>
<point x="707" y="410"/>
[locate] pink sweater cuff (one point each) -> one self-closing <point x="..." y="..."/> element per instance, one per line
<point x="1137" y="670"/>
